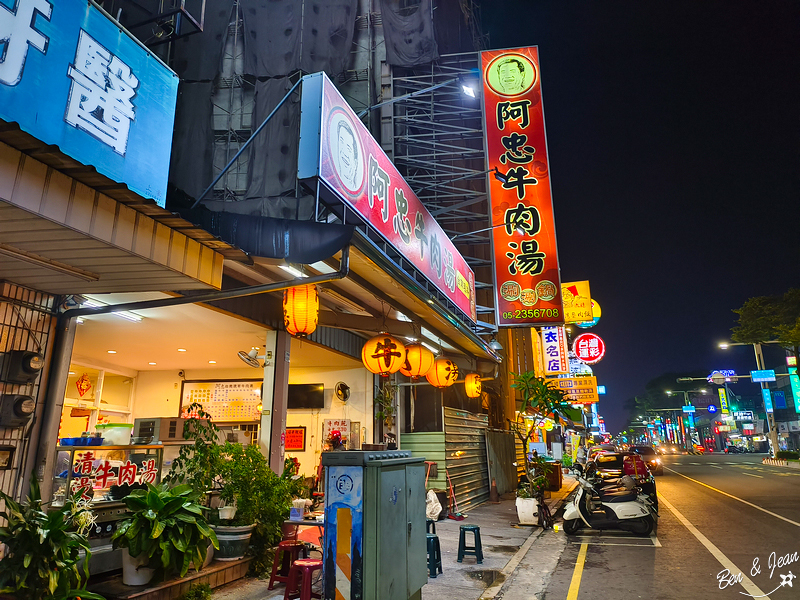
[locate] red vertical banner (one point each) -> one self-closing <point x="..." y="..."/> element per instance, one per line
<point x="527" y="280"/>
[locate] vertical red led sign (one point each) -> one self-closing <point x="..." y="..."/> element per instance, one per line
<point x="527" y="281"/>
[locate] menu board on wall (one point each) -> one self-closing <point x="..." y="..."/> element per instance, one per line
<point x="224" y="400"/>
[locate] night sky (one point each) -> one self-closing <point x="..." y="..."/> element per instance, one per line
<point x="674" y="144"/>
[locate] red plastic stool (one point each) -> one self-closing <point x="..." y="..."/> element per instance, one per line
<point x="291" y="550"/>
<point x="301" y="573"/>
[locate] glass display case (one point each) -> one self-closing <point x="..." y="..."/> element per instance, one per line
<point x="105" y="473"/>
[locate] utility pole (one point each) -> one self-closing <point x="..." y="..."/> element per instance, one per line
<point x="771" y="428"/>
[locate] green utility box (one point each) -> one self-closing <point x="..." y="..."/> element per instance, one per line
<point x="375" y="545"/>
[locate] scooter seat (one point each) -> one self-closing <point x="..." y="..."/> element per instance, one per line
<point x="621" y="496"/>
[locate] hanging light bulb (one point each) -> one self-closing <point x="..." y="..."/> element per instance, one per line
<point x="419" y="361"/>
<point x="301" y="310"/>
<point x="383" y="355"/>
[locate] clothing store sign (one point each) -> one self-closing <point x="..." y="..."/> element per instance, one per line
<point x="336" y="147"/>
<point x="70" y="77"/>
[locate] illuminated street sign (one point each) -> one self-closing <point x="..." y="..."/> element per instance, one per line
<point x="762" y="376"/>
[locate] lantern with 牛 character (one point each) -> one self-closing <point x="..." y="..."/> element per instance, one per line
<point x="419" y="361"/>
<point x="301" y="310"/>
<point x="443" y="373"/>
<point x="383" y="355"/>
<point x="472" y="385"/>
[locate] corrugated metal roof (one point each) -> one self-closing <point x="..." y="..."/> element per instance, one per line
<point x="11" y="134"/>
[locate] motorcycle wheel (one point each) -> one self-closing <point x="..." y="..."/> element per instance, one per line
<point x="571" y="526"/>
<point x="642" y="527"/>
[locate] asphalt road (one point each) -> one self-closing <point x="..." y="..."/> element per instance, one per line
<point x="747" y="524"/>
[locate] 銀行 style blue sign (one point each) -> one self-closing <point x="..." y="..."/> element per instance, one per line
<point x="762" y="376"/>
<point x="767" y="400"/>
<point x="70" y="77"/>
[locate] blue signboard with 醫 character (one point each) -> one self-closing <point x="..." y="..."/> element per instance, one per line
<point x="71" y="77"/>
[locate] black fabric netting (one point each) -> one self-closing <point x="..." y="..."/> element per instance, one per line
<point x="192" y="139"/>
<point x="273" y="153"/>
<point x="284" y="36"/>
<point x="198" y="56"/>
<point x="409" y="38"/>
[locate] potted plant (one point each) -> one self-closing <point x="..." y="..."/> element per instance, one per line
<point x="165" y="533"/>
<point x="384" y="404"/>
<point x="44" y="549"/>
<point x="540" y="400"/>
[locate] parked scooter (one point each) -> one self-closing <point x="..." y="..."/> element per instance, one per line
<point x="623" y="508"/>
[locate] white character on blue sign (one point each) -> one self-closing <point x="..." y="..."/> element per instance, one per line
<point x="17" y="33"/>
<point x="101" y="92"/>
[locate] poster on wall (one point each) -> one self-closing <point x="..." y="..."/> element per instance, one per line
<point x="340" y="425"/>
<point x="527" y="281"/>
<point x="295" y="439"/>
<point x="224" y="400"/>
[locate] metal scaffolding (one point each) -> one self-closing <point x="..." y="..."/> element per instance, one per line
<point x="436" y="140"/>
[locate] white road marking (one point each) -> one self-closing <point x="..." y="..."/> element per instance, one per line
<point x="769" y="512"/>
<point x="751" y="475"/>
<point x="748" y="585"/>
<point x="715" y="467"/>
<point x="656" y="543"/>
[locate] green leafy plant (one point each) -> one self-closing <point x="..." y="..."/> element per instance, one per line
<point x="43" y="548"/>
<point x="787" y="455"/>
<point x="167" y="525"/>
<point x="384" y="403"/>
<point x="197" y="464"/>
<point x="201" y="591"/>
<point x="541" y="400"/>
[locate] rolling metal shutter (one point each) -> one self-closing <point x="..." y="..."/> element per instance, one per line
<point x="465" y="448"/>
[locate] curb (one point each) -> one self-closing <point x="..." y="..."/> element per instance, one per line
<point x="493" y="590"/>
<point x="780" y="462"/>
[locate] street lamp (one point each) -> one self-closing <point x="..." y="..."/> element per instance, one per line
<point x="466" y="89"/>
<point x="772" y="431"/>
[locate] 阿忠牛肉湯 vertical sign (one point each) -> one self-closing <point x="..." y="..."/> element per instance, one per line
<point x="527" y="281"/>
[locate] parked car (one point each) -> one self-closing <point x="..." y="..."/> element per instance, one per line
<point x="595" y="450"/>
<point x="734" y="450"/>
<point x="616" y="464"/>
<point x="650" y="457"/>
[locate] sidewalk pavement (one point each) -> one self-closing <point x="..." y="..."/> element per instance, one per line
<point x="517" y="560"/>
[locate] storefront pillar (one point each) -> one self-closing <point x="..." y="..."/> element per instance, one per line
<point x="274" y="396"/>
<point x="54" y="404"/>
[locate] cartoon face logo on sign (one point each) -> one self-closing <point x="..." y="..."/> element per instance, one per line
<point x="511" y="74"/>
<point x="347" y="152"/>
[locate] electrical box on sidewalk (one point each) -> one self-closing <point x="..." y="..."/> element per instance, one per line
<point x="375" y="544"/>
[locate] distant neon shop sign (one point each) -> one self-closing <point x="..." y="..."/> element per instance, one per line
<point x="728" y="374"/>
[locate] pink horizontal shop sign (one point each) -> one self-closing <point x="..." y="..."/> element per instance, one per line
<point x="337" y="147"/>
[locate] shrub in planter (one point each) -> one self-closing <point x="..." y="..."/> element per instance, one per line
<point x="43" y="548"/>
<point x="787" y="455"/>
<point x="167" y="527"/>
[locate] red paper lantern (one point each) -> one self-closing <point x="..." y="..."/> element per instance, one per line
<point x="472" y="385"/>
<point x="443" y="374"/>
<point x="301" y="310"/>
<point x="383" y="355"/>
<point x="419" y="361"/>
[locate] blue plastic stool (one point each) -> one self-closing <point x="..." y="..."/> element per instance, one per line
<point x="434" y="554"/>
<point x="463" y="549"/>
<point x="430" y="524"/>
